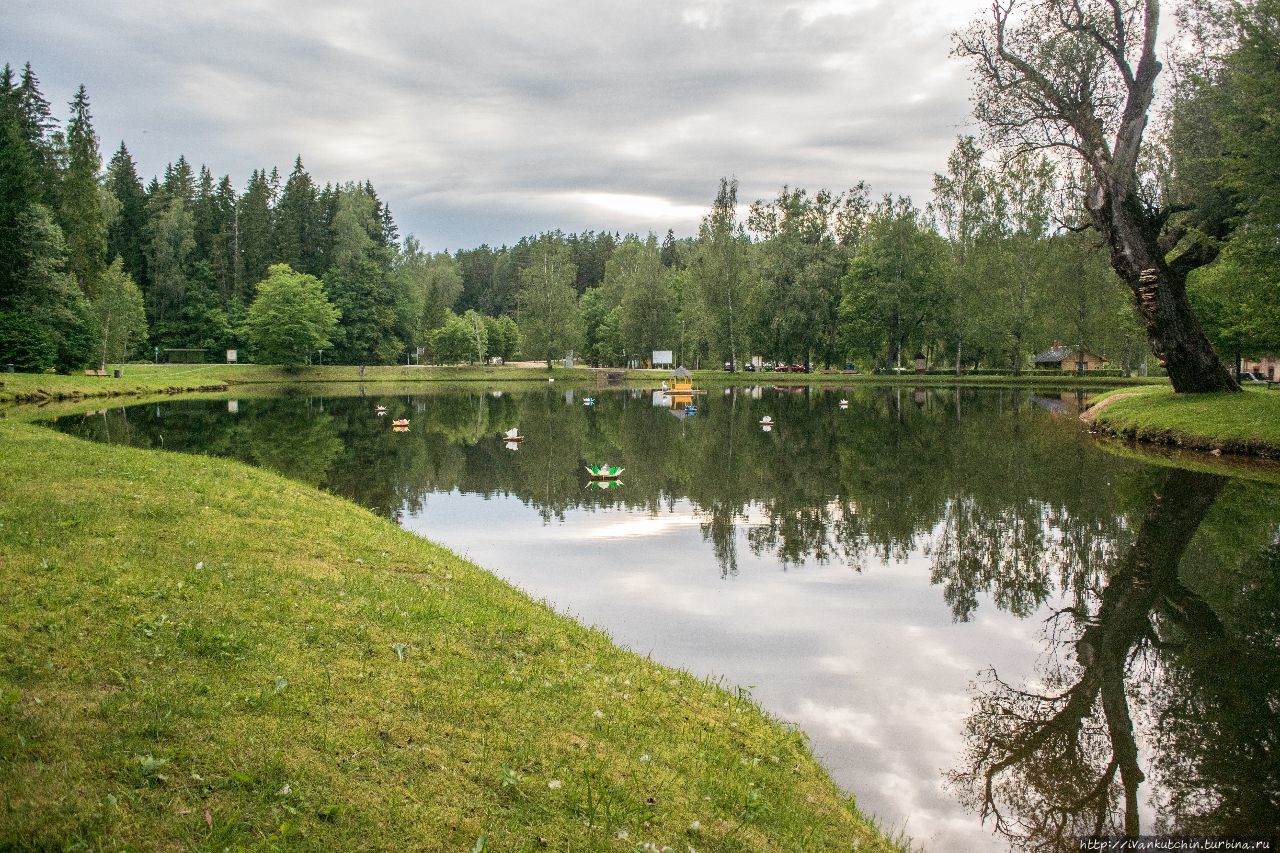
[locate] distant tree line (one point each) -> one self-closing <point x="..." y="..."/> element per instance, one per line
<point x="96" y="266"/>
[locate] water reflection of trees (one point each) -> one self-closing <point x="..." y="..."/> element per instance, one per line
<point x="1004" y="498"/>
<point x="1144" y="659"/>
<point x="1168" y="582"/>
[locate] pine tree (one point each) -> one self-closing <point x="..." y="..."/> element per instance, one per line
<point x="360" y="283"/>
<point x="253" y="218"/>
<point x="127" y="233"/>
<point x="299" y="223"/>
<point x="19" y="189"/>
<point x="39" y="127"/>
<point x="80" y="210"/>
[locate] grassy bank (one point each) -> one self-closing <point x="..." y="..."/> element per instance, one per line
<point x="138" y="379"/>
<point x="197" y="655"/>
<point x="1246" y="423"/>
<point x="148" y="379"/>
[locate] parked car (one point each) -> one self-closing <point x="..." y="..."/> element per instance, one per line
<point x="1246" y="377"/>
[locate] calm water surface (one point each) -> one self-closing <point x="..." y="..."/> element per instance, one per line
<point x="940" y="587"/>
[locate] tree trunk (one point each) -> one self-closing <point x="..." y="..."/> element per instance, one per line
<point x="1176" y="337"/>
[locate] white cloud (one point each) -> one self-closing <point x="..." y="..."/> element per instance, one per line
<point x="570" y="115"/>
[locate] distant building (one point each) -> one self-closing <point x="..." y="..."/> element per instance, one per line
<point x="1267" y="366"/>
<point x="1068" y="358"/>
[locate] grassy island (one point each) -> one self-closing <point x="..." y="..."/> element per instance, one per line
<point x="196" y="654"/>
<point x="1246" y="423"/>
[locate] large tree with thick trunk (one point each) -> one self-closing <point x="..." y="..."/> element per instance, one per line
<point x="1079" y="76"/>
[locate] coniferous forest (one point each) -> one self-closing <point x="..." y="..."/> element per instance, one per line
<point x="100" y="264"/>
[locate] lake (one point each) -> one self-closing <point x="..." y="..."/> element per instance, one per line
<point x="993" y="630"/>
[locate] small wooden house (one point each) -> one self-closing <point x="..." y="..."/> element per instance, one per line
<point x="1068" y="359"/>
<point x="681" y="380"/>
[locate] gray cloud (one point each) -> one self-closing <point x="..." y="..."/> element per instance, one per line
<point x="485" y="122"/>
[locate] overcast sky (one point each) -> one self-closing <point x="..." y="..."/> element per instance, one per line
<point x="486" y="121"/>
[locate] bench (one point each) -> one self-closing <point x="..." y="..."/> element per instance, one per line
<point x="95" y="373"/>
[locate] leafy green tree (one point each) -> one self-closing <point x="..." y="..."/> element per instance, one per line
<point x="647" y="302"/>
<point x="967" y="207"/>
<point x="800" y="263"/>
<point x="719" y="272"/>
<point x="290" y="317"/>
<point x="503" y="337"/>
<point x="593" y="306"/>
<point x="461" y="339"/>
<point x="895" y="283"/>
<point x="610" y="347"/>
<point x="122" y="319"/>
<point x="548" y="312"/>
<point x="435" y="280"/>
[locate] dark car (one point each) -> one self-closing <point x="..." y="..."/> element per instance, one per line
<point x="1257" y="378"/>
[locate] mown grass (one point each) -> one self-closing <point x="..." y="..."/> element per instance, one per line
<point x="199" y="655"/>
<point x="1247" y="423"/>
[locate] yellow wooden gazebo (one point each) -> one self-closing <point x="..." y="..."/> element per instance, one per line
<point x="681" y="381"/>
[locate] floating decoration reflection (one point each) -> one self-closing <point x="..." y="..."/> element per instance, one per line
<point x="605" y="472"/>
<point x="604" y="485"/>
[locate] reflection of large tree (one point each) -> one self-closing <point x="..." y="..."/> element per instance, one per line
<point x="1049" y="764"/>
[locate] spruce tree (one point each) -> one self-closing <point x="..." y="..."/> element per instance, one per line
<point x="19" y="190"/>
<point x="253" y="218"/>
<point x="299" y="223"/>
<point x="39" y="126"/>
<point x="127" y="233"/>
<point x="80" y="210"/>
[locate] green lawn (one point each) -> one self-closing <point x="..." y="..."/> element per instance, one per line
<point x="1248" y="422"/>
<point x="199" y="655"/>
